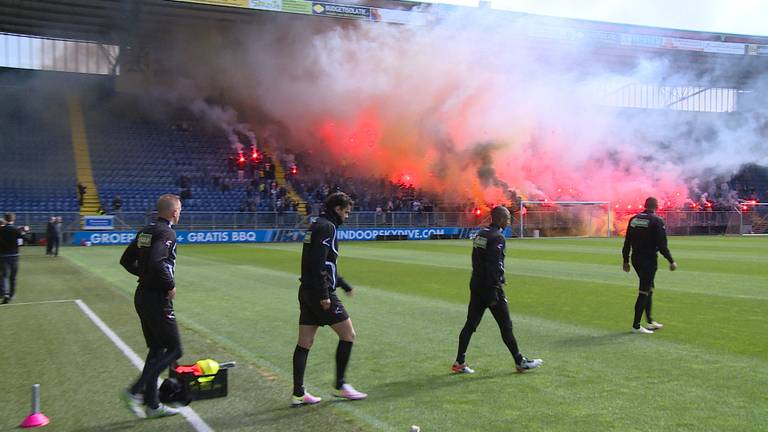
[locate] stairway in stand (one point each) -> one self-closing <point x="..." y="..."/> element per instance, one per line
<point x="301" y="205"/>
<point x="82" y="156"/>
<point x="759" y="223"/>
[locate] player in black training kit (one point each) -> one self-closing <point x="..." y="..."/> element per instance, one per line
<point x="487" y="292"/>
<point x="152" y="257"/>
<point x="11" y="237"/>
<point x="645" y="236"/>
<point x="318" y="302"/>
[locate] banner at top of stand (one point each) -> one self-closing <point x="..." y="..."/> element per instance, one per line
<point x="334" y="10"/>
<point x="564" y="32"/>
<point x="344" y="11"/>
<point x="230" y="3"/>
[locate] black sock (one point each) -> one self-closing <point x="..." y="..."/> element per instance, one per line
<point x="518" y="358"/>
<point x="511" y="343"/>
<point x="300" y="355"/>
<point x="343" y="351"/>
<point x="140" y="386"/>
<point x="639" y="308"/>
<point x="648" y="304"/>
<point x="464" y="338"/>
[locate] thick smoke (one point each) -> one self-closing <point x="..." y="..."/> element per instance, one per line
<point x="185" y="93"/>
<point x="426" y="101"/>
<point x="486" y="174"/>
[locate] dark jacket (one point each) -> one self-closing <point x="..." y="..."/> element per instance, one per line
<point x="11" y="237"/>
<point x="488" y="252"/>
<point x="152" y="256"/>
<point x="318" y="258"/>
<point x="646" y="235"/>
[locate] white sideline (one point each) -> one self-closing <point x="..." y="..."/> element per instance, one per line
<point x="38" y="303"/>
<point x="197" y="423"/>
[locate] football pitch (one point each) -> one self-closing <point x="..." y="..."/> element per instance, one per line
<point x="571" y="305"/>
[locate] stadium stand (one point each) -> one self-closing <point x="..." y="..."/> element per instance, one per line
<point x="38" y="166"/>
<point x="139" y="159"/>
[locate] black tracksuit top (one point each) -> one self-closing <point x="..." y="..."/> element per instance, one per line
<point x="10" y="237"/>
<point x="152" y="256"/>
<point x="318" y="258"/>
<point x="488" y="252"/>
<point x="645" y="236"/>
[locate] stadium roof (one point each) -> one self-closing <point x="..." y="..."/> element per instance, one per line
<point x="120" y="21"/>
<point x="102" y="21"/>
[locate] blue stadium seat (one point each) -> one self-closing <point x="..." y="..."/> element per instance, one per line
<point x="38" y="166"/>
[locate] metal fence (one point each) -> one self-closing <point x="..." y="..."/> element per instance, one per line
<point x="552" y="223"/>
<point x="257" y="220"/>
<point x="703" y="223"/>
<point x="547" y="223"/>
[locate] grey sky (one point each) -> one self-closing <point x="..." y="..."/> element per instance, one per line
<point x="749" y="17"/>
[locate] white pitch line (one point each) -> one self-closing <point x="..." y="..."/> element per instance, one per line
<point x="37" y="303"/>
<point x="197" y="423"/>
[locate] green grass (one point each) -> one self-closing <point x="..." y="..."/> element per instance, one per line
<point x="571" y="305"/>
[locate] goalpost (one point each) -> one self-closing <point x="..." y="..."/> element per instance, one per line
<point x="565" y="218"/>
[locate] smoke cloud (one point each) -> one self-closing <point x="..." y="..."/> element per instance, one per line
<point x="185" y="93"/>
<point x="467" y="106"/>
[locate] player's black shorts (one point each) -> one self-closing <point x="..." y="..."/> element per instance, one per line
<point x="646" y="271"/>
<point x="311" y="313"/>
<point x="158" y="319"/>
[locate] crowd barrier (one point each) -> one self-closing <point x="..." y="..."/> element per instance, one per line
<point x="221" y="227"/>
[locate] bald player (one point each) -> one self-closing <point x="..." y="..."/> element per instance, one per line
<point x="645" y="238"/>
<point x="487" y="292"/>
<point x="152" y="257"/>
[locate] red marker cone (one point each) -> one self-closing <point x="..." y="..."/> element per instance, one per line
<point x="35" y="418"/>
